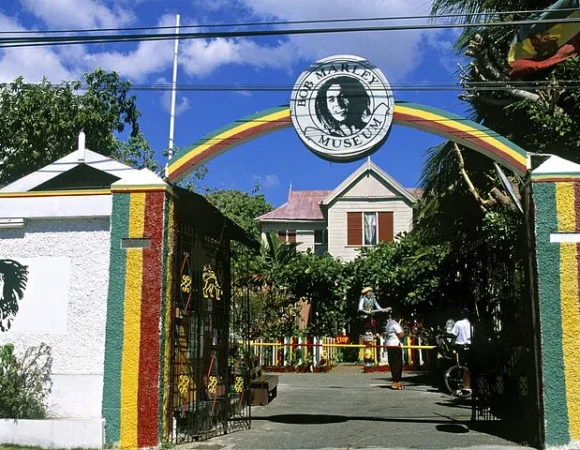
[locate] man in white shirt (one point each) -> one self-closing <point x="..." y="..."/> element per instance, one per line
<point x="462" y="332"/>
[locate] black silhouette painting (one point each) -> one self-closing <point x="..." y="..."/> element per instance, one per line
<point x="13" y="279"/>
<point x="342" y="106"/>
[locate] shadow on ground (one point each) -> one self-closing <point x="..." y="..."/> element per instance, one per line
<point x="320" y="419"/>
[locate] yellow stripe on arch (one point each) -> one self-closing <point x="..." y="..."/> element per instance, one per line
<point x="429" y="119"/>
<point x="276" y="116"/>
<point x="132" y="330"/>
<point x="433" y="120"/>
<point x="565" y="207"/>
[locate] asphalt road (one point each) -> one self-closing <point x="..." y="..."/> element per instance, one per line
<point x="347" y="409"/>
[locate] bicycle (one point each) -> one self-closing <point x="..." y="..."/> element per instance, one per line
<point x="455" y="376"/>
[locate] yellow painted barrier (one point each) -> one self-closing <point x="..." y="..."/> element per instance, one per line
<point x="278" y="344"/>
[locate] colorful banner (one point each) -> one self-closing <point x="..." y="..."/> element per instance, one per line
<point x="543" y="45"/>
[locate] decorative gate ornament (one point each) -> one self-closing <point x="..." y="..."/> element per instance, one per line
<point x="342" y="108"/>
<point x="211" y="287"/>
<point x="239" y="385"/>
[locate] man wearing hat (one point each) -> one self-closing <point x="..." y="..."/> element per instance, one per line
<point x="367" y="306"/>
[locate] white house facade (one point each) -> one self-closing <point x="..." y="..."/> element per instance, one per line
<point x="367" y="208"/>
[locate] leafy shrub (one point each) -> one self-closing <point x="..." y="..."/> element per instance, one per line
<point x="25" y="382"/>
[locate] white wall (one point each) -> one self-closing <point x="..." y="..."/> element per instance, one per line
<point x="337" y="221"/>
<point x="64" y="305"/>
<point x="304" y="231"/>
<point x="57" y="434"/>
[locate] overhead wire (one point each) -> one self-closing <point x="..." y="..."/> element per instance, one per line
<point x="17" y="42"/>
<point x="475" y="86"/>
<point x="290" y="22"/>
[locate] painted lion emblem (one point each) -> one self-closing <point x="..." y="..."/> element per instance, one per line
<point x="13" y="279"/>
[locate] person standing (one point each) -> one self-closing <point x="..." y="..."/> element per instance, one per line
<point x="367" y="307"/>
<point x="462" y="333"/>
<point x="395" y="335"/>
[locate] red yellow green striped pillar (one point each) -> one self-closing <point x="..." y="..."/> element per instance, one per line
<point x="557" y="212"/>
<point x="137" y="341"/>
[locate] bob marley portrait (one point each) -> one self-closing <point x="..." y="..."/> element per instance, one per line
<point x="342" y="106"/>
<point x="13" y="279"/>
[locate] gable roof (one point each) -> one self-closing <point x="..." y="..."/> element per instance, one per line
<point x="301" y="205"/>
<point x="46" y="177"/>
<point x="369" y="166"/>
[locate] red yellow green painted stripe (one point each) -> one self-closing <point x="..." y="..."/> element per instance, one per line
<point x="557" y="209"/>
<point x="462" y="131"/>
<point x="67" y="193"/>
<point x="165" y="355"/>
<point x="437" y="121"/>
<point x="133" y="353"/>
<point x="225" y="138"/>
<point x="554" y="177"/>
<point x="132" y="334"/>
<point x="569" y="221"/>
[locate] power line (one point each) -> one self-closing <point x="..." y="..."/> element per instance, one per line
<point x="103" y="39"/>
<point x="291" y="22"/>
<point x="540" y="85"/>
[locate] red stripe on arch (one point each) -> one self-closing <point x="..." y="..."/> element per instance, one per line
<point x="148" y="396"/>
<point x="232" y="141"/>
<point x="413" y="121"/>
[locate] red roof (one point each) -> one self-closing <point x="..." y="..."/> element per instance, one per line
<point x="415" y="192"/>
<point x="301" y="205"/>
<point x="305" y="205"/>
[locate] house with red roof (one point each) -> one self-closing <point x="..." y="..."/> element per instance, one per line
<point x="366" y="208"/>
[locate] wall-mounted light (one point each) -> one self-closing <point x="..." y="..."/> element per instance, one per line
<point x="11" y="223"/>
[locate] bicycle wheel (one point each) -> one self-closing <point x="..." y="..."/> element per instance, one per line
<point x="454" y="381"/>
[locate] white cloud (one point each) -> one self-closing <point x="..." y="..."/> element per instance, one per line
<point x="32" y="63"/>
<point x="396" y="52"/>
<point x="181" y="104"/>
<point x="267" y="181"/>
<point x="148" y="58"/>
<point x="201" y="57"/>
<point x="78" y="14"/>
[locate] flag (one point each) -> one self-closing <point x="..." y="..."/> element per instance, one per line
<point x="542" y="45"/>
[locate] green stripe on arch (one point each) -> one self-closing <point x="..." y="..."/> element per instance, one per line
<point x="548" y="260"/>
<point x="115" y="320"/>
<point x="433" y="120"/>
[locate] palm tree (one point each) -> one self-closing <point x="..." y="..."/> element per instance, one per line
<point x="546" y="119"/>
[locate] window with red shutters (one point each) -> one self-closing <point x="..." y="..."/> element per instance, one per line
<point x="386" y="233"/>
<point x="291" y="236"/>
<point x="354" y="228"/>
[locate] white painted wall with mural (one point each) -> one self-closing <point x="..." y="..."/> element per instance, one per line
<point x="63" y="304"/>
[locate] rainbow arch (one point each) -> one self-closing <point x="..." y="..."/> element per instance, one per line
<point x="413" y="115"/>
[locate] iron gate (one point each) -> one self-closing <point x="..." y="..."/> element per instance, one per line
<point x="210" y="379"/>
<point x="504" y="361"/>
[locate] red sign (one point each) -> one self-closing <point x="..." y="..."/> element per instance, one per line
<point x="342" y="340"/>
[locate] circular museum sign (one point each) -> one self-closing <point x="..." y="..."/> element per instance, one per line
<point x="342" y="108"/>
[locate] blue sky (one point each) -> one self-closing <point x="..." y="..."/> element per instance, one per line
<point x="276" y="160"/>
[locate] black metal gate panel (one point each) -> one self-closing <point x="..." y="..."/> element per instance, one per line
<point x="504" y="353"/>
<point x="210" y="381"/>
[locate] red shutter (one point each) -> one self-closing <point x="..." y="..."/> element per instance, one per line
<point x="291" y="235"/>
<point x="282" y="235"/>
<point x="354" y="228"/>
<point x="385" y="226"/>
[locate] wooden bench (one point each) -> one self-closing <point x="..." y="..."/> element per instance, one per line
<point x="264" y="387"/>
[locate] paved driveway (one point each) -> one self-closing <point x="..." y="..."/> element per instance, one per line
<point x="346" y="409"/>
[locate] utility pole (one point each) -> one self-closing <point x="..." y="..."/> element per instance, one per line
<point x="173" y="95"/>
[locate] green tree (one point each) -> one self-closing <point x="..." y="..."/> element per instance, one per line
<point x="320" y="281"/>
<point x="241" y="207"/>
<point x="40" y="123"/>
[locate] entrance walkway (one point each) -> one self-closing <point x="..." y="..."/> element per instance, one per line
<point x="346" y="409"/>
